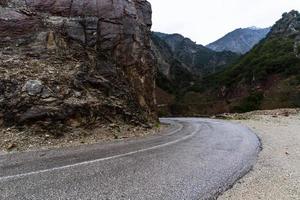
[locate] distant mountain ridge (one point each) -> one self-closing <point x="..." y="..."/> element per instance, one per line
<point x="181" y="62"/>
<point x="240" y="40"/>
<point x="267" y="77"/>
<point x="196" y="58"/>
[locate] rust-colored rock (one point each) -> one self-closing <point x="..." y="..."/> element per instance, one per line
<point x="93" y="59"/>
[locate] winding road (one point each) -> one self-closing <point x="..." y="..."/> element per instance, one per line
<point x="193" y="159"/>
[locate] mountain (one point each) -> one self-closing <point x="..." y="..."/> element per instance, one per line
<point x="267" y="77"/>
<point x="181" y="63"/>
<point x="196" y="58"/>
<point x="169" y="66"/>
<point x="240" y="40"/>
<point x="60" y="70"/>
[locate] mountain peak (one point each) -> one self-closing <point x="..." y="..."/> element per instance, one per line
<point x="254" y="28"/>
<point x="292" y="13"/>
<point x="240" y="40"/>
<point x="288" y="25"/>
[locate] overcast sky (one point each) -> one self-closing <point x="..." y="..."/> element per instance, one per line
<point x="205" y="21"/>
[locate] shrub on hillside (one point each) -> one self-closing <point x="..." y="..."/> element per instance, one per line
<point x="250" y="103"/>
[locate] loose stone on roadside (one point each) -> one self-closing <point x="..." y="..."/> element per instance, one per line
<point x="33" y="87"/>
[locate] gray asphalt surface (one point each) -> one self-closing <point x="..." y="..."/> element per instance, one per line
<point x="194" y="159"/>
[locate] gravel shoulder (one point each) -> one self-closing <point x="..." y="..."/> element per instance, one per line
<point x="277" y="172"/>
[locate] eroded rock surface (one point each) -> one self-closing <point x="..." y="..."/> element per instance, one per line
<point x="72" y="62"/>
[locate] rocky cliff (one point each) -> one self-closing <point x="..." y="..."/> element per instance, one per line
<point x="70" y="63"/>
<point x="240" y="40"/>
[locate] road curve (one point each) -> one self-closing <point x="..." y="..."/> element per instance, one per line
<point x="194" y="159"/>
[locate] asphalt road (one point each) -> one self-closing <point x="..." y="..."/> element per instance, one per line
<point x="194" y="159"/>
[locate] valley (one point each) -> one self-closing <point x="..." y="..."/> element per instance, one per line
<point x="267" y="77"/>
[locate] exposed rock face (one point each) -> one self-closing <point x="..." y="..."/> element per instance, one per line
<point x="76" y="60"/>
<point x="288" y="25"/>
<point x="168" y="64"/>
<point x="240" y="40"/>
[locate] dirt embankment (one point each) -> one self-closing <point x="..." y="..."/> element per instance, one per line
<point x="15" y="140"/>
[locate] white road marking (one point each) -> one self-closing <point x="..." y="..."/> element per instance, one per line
<point x="103" y="159"/>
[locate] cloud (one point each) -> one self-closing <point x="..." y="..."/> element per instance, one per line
<point x="204" y="21"/>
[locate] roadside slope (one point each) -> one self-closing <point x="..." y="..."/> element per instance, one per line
<point x="277" y="172"/>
